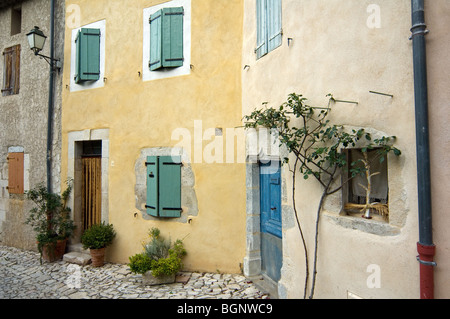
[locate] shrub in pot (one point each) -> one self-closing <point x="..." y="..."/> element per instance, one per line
<point x="50" y="219"/>
<point x="160" y="260"/>
<point x="96" y="238"/>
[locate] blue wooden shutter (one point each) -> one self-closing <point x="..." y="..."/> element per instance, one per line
<point x="274" y="27"/>
<point x="156" y="41"/>
<point x="261" y="28"/>
<point x="270" y="198"/>
<point x="169" y="186"/>
<point x="88" y="55"/>
<point x="152" y="186"/>
<point x="172" y="34"/>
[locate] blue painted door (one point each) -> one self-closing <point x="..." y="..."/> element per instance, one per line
<point x="270" y="205"/>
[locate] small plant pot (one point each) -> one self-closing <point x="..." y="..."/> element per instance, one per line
<point x="54" y="252"/>
<point x="150" y="280"/>
<point x="98" y="257"/>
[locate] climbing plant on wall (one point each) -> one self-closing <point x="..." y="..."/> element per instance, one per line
<point x="316" y="145"/>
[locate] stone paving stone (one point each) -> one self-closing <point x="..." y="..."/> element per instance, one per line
<point x="23" y="277"/>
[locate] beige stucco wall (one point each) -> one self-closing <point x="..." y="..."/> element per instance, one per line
<point x="143" y="114"/>
<point x="438" y="43"/>
<point x="335" y="50"/>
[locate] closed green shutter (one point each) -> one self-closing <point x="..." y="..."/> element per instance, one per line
<point x="261" y="25"/>
<point x="169" y="186"/>
<point x="155" y="41"/>
<point x="274" y="24"/>
<point x="87" y="63"/>
<point x="152" y="186"/>
<point x="163" y="186"/>
<point x="166" y="38"/>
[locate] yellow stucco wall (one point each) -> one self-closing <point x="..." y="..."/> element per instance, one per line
<point x="143" y="114"/>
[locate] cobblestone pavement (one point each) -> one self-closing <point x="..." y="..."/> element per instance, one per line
<point x="23" y="277"/>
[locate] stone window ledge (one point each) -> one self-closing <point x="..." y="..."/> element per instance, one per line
<point x="365" y="225"/>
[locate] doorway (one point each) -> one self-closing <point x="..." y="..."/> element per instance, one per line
<point x="271" y="234"/>
<point x="91" y="175"/>
<point x="82" y="145"/>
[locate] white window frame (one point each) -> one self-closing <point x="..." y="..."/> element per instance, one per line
<point x="73" y="54"/>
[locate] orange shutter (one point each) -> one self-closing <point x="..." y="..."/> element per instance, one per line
<point x="15" y="173"/>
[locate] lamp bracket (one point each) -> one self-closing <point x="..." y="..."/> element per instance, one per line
<point x="54" y="63"/>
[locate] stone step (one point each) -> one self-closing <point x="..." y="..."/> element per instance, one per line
<point x="76" y="257"/>
<point x="77" y="247"/>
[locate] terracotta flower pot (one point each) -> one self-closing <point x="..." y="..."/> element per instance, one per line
<point x="52" y="252"/>
<point x="98" y="257"/>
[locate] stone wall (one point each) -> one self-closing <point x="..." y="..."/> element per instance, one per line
<point x="23" y="120"/>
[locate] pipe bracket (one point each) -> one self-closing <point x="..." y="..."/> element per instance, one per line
<point x="426" y="263"/>
<point x="423" y="30"/>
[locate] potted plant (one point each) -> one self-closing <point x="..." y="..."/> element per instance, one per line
<point x="96" y="238"/>
<point x="160" y="261"/>
<point x="50" y="219"/>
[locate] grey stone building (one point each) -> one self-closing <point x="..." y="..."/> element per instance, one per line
<point x="24" y="113"/>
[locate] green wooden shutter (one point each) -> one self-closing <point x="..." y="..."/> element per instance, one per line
<point x="152" y="186"/>
<point x="88" y="55"/>
<point x="172" y="42"/>
<point x="166" y="38"/>
<point x="169" y="186"/>
<point x="261" y="28"/>
<point x="156" y="41"/>
<point x="274" y="27"/>
<point x="78" y="57"/>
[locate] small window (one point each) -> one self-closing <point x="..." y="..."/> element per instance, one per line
<point x="92" y="148"/>
<point x="16" y="20"/>
<point x="366" y="193"/>
<point x="268" y="25"/>
<point x="87" y="63"/>
<point x="11" y="70"/>
<point x="15" y="173"/>
<point x="163" y="186"/>
<point x="166" y="38"/>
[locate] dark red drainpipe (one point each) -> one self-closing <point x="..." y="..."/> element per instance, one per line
<point x="425" y="246"/>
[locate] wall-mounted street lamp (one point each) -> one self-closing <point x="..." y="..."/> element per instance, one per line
<point x="36" y="40"/>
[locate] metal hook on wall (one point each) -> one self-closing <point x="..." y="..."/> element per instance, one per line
<point x="385" y="94"/>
